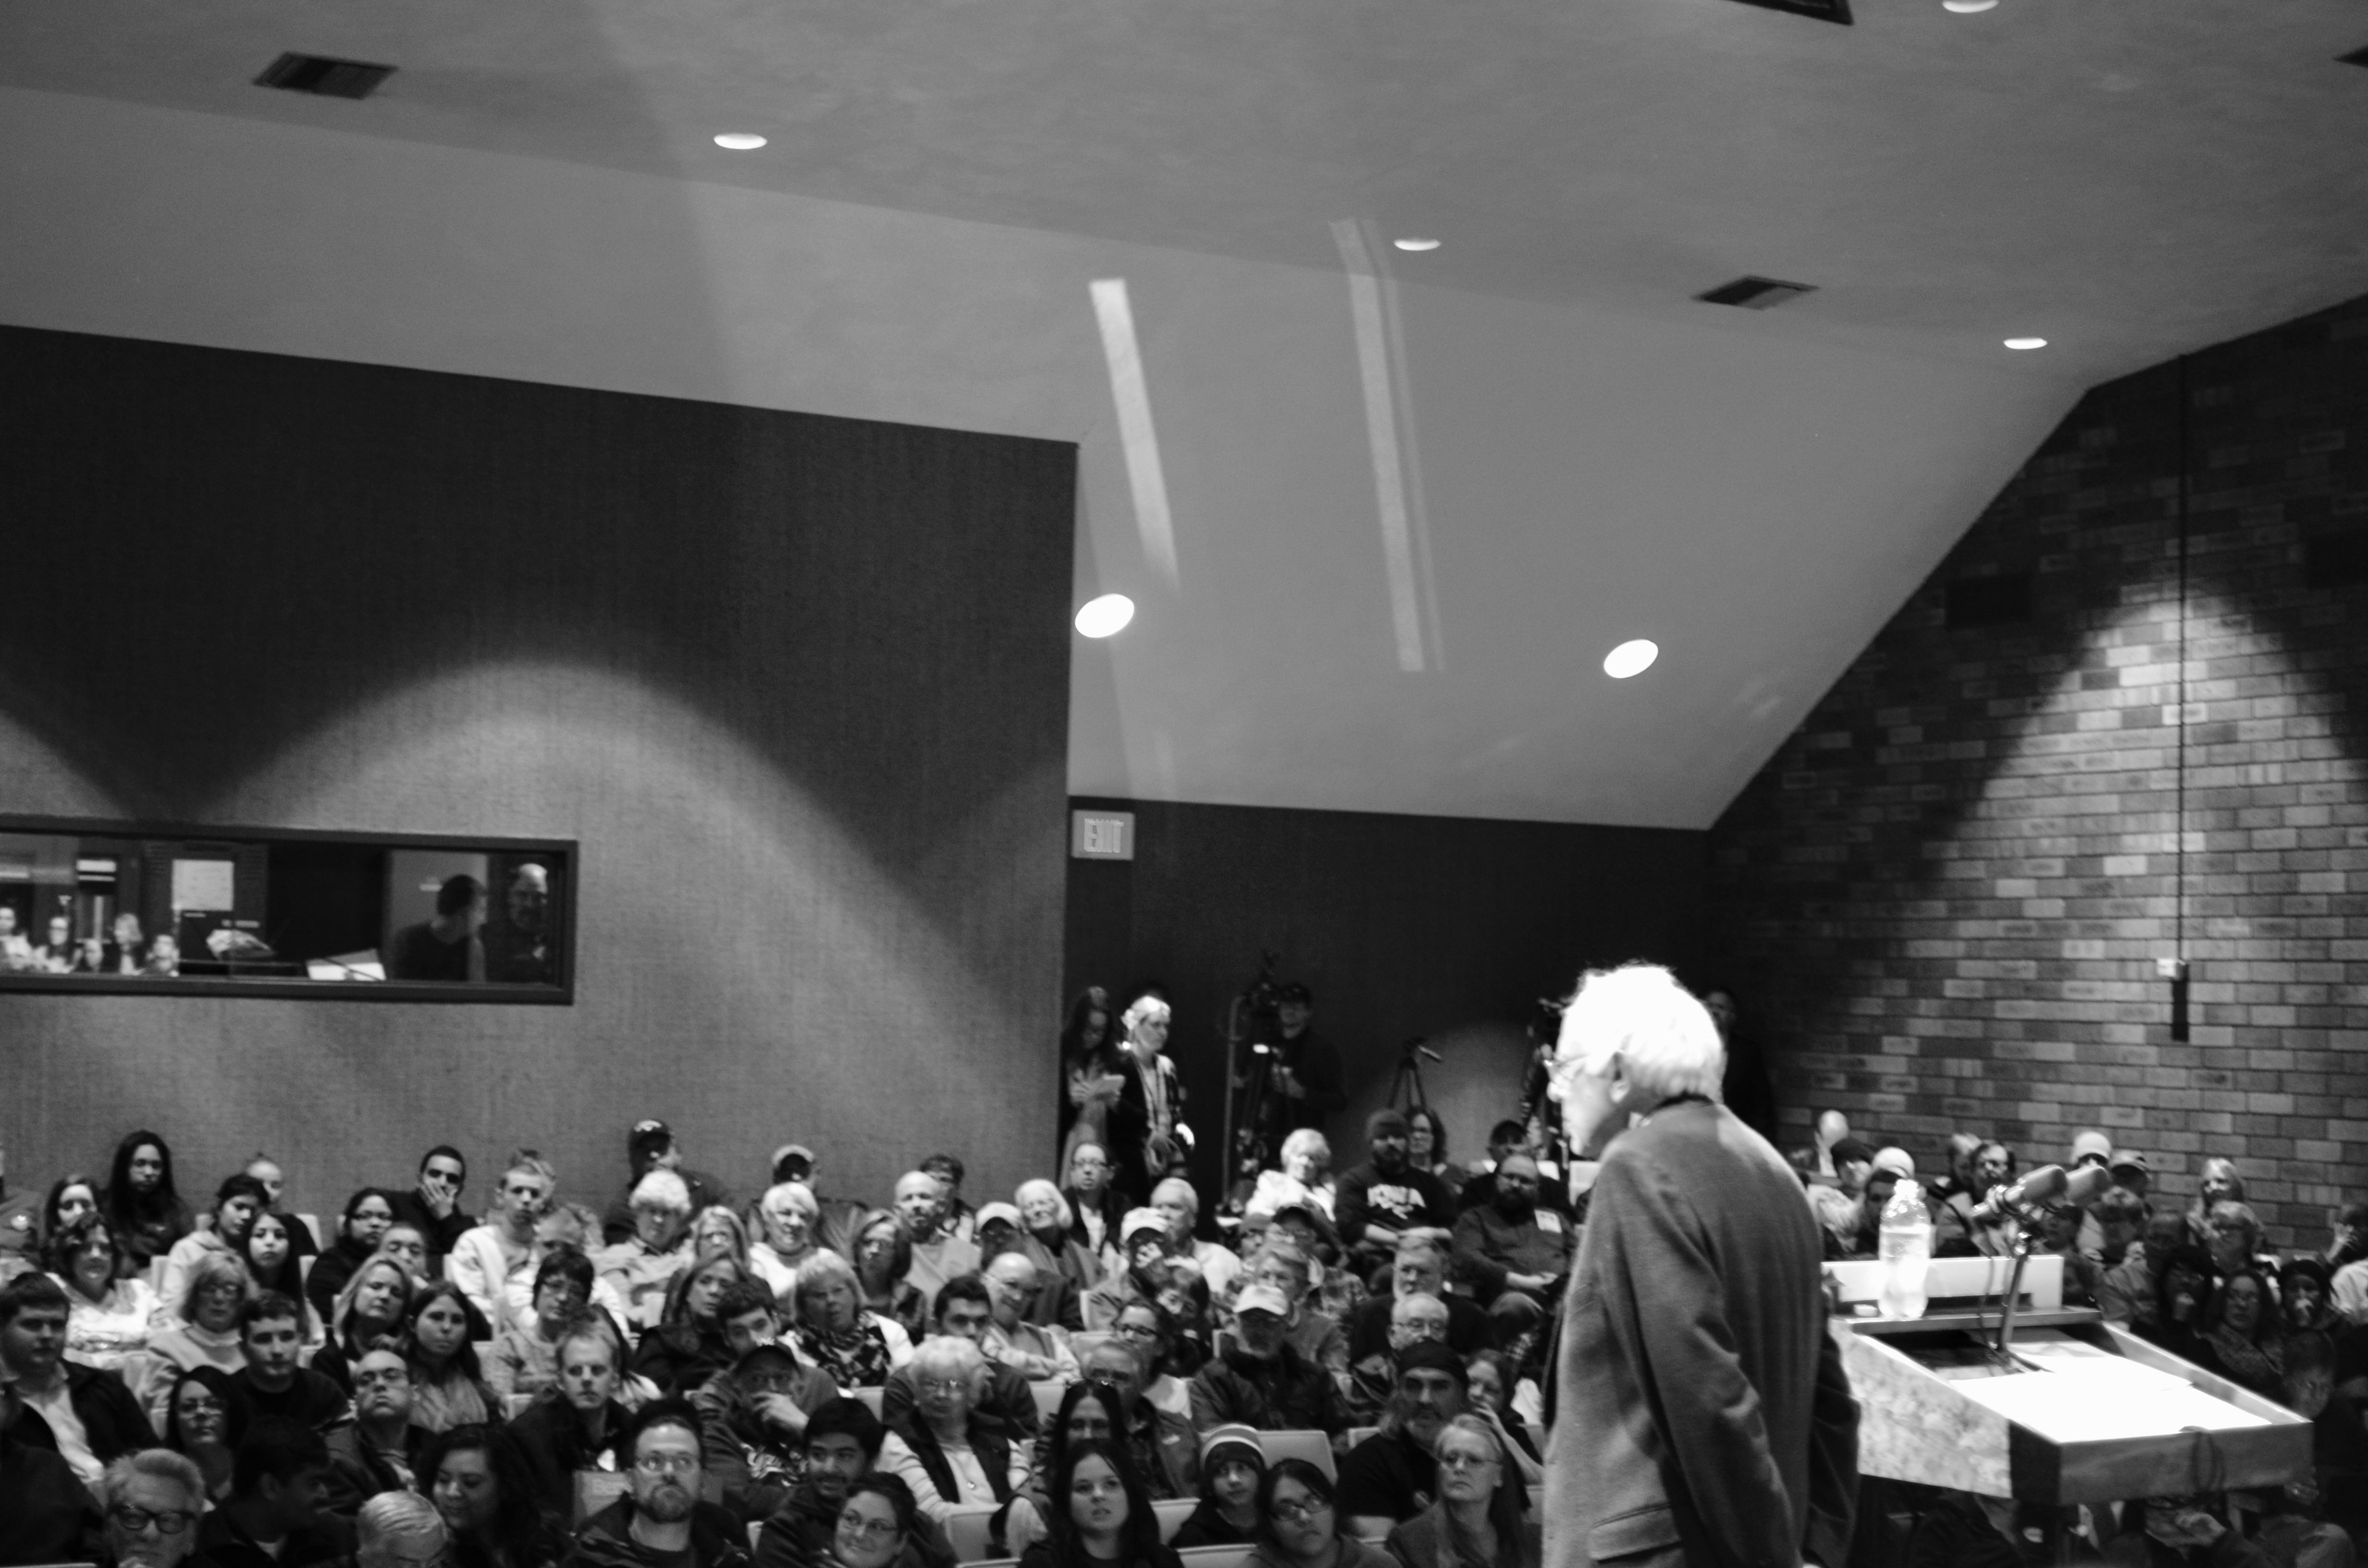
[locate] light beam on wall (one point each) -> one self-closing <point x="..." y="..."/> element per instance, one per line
<point x="1132" y="393"/>
<point x="1397" y="471"/>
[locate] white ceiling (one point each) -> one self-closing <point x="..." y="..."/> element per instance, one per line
<point x="1599" y="457"/>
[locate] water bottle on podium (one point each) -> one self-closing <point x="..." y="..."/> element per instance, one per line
<point x="1905" y="1251"/>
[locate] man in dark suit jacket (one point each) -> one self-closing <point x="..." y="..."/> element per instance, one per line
<point x="1718" y="1429"/>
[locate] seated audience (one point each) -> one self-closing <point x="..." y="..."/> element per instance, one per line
<point x="718" y="1230"/>
<point x="2347" y="1254"/>
<point x="965" y="1309"/>
<point x="1340" y="1292"/>
<point x="842" y="1443"/>
<point x="1477" y="1517"/>
<point x="1175" y="1201"/>
<point x="944" y="1452"/>
<point x="1087" y="1412"/>
<point x="1280" y="1262"/>
<point x="380" y="1450"/>
<point x="2180" y="1292"/>
<point x="2305" y="1298"/>
<point x="1160" y="1442"/>
<point x="1490" y="1383"/>
<point x="643" y="1267"/>
<point x="1419" y="1269"/>
<point x="858" y="1348"/>
<point x="2129" y="1290"/>
<point x="788" y="1215"/>
<point x="1506" y="1139"/>
<point x="1258" y="1380"/>
<point x="1303" y="1178"/>
<point x="1955" y="1231"/>
<point x="662" y="1522"/>
<point x="108" y="1316"/>
<point x="1145" y="1328"/>
<point x="1837" y="1200"/>
<point x="432" y="1207"/>
<point x="2217" y="1183"/>
<point x="1427" y="1149"/>
<point x="1373" y="1381"/>
<point x="236" y="1204"/>
<point x="652" y="1146"/>
<point x="70" y="1197"/>
<point x="204" y="1417"/>
<point x="2233" y="1237"/>
<point x="493" y="1262"/>
<point x="576" y="1423"/>
<point x="359" y="1230"/>
<point x="144" y="1208"/>
<point x="954" y="1216"/>
<point x="272" y="1264"/>
<point x="2241" y="1333"/>
<point x="373" y="1304"/>
<point x="686" y="1346"/>
<point x="1138" y="1271"/>
<point x="46" y="1512"/>
<point x="480" y="1482"/>
<point x="85" y="1416"/>
<point x="878" y="1525"/>
<point x="1390" y="1477"/>
<point x="266" y="1169"/>
<point x="399" y="1529"/>
<point x="1037" y="1353"/>
<point x="1048" y="1233"/>
<point x="274" y="1516"/>
<point x="937" y="1254"/>
<point x="1515" y="1253"/>
<point x="448" y="1383"/>
<point x="524" y="1357"/>
<point x="275" y="1382"/>
<point x="1102" y="1517"/>
<point x="1233" y="1467"/>
<point x="1299" y="1523"/>
<point x="755" y="1416"/>
<point x="883" y="1258"/>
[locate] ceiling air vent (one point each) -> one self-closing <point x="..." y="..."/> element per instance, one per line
<point x="1824" y="10"/>
<point x="1755" y="294"/>
<point x="324" y="77"/>
<point x="2003" y="600"/>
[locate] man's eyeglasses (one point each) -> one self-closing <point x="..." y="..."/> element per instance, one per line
<point x="1137" y="1330"/>
<point x="131" y="1520"/>
<point x="666" y="1464"/>
<point x="1298" y="1512"/>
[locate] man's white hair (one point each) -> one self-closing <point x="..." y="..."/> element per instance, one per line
<point x="393" y="1519"/>
<point x="157" y="1464"/>
<point x="662" y="1192"/>
<point x="1178" y="1187"/>
<point x="1662" y="1035"/>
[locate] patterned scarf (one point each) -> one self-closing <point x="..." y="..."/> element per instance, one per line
<point x="855" y="1358"/>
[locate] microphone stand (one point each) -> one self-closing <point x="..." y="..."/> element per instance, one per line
<point x="2021" y="1250"/>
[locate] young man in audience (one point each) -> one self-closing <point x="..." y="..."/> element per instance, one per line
<point x="493" y="1262"/>
<point x="275" y="1381"/>
<point x="662" y="1523"/>
<point x="432" y="1207"/>
<point x="1419" y="1269"/>
<point x="379" y="1450"/>
<point x="1258" y="1380"/>
<point x="954" y="1216"/>
<point x="640" y="1267"/>
<point x="652" y="1146"/>
<point x="1384" y="1198"/>
<point x="579" y="1424"/>
<point x="1515" y="1252"/>
<point x="1010" y="1340"/>
<point x="273" y="1518"/>
<point x="1391" y="1476"/>
<point x="965" y="1309"/>
<point x="842" y="1444"/>
<point x="84" y="1415"/>
<point x="754" y="1426"/>
<point x="45" y="1510"/>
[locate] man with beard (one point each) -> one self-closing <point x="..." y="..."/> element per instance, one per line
<point x="662" y="1523"/>
<point x="937" y="1257"/>
<point x="571" y="1428"/>
<point x="380" y="1450"/>
<point x="1515" y="1253"/>
<point x="1388" y="1478"/>
<point x="1373" y="1382"/>
<point x="1384" y="1198"/>
<point x="1259" y="1379"/>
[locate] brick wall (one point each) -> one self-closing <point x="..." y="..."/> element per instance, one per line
<point x="1942" y="898"/>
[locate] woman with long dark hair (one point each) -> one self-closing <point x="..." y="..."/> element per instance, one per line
<point x="144" y="1208"/>
<point x="1090" y="1066"/>
<point x="107" y="1316"/>
<point x="483" y="1488"/>
<point x="1300" y="1523"/>
<point x="1477" y="1522"/>
<point x="205" y="1416"/>
<point x="447" y="1388"/>
<point x="269" y="1252"/>
<point x="1101" y="1515"/>
<point x="70" y="1197"/>
<point x="375" y="1304"/>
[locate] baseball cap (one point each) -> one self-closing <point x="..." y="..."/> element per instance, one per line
<point x="2131" y="1160"/>
<point x="1261" y="1299"/>
<point x="1385" y="1120"/>
<point x="2089" y="1141"/>
<point x="1140" y="1220"/>
<point x="787" y="1153"/>
<point x="1897" y="1161"/>
<point x="988" y="1214"/>
<point x="647" y="1138"/>
<point x="1432" y="1354"/>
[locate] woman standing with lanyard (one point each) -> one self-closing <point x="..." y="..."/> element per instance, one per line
<point x="1147" y="1137"/>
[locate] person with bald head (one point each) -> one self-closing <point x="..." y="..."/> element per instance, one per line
<point x="937" y="1256"/>
<point x="1010" y="1340"/>
<point x="1515" y="1252"/>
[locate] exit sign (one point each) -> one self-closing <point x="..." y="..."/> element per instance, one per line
<point x="1101" y="835"/>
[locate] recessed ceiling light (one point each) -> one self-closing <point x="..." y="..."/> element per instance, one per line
<point x="1632" y="658"/>
<point x="1411" y="243"/>
<point x="740" y="141"/>
<point x="1968" y="7"/>
<point x="2026" y="343"/>
<point x="1106" y="616"/>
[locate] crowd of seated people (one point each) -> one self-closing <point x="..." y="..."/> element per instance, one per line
<point x="796" y="1378"/>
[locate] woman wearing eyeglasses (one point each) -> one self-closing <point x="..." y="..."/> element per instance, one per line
<point x="151" y="1500"/>
<point x="480" y="1482"/>
<point x="948" y="1457"/>
<point x="1299" y="1525"/>
<point x="1101" y="1515"/>
<point x="1476" y="1523"/>
<point x="205" y="1416"/>
<point x="875" y="1525"/>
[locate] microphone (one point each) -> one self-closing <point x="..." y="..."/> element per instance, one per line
<point x="2085" y="1184"/>
<point x="2043" y="1185"/>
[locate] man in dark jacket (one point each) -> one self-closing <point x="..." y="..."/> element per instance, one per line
<point x="1712" y="1423"/>
<point x="1381" y="1200"/>
<point x="662" y="1523"/>
<point x="273" y="1518"/>
<point x="754" y="1433"/>
<point x="842" y="1445"/>
<point x="572" y="1427"/>
<point x="86" y="1416"/>
<point x="1259" y="1379"/>
<point x="45" y="1512"/>
<point x="433" y="1205"/>
<point x="379" y="1450"/>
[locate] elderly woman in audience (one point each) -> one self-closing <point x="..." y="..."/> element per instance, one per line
<point x="484" y="1490"/>
<point x="359" y="1230"/>
<point x="203" y="1416"/>
<point x="788" y="1215"/>
<point x="1303" y="1178"/>
<point x="1476" y="1521"/>
<point x="1048" y="1236"/>
<point x="237" y="1202"/>
<point x="1299" y="1523"/>
<point x="150" y="1501"/>
<point x="834" y="1329"/>
<point x="948" y="1457"/>
<point x="686" y="1346"/>
<point x="375" y="1304"/>
<point x="198" y="1330"/>
<point x="108" y="1317"/>
<point x="447" y="1389"/>
<point x="1233" y="1468"/>
<point x="644" y="1266"/>
<point x="883" y="1256"/>
<point x="1101" y="1515"/>
<point x="2240" y="1332"/>
<point x="144" y="1208"/>
<point x="524" y="1357"/>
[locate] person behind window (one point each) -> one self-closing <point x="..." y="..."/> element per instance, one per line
<point x="1299" y="1523"/>
<point x="662" y="1523"/>
<point x="375" y="1304"/>
<point x="448" y="947"/>
<point x="360" y="1228"/>
<point x="205" y="1416"/>
<point x="273" y="1518"/>
<point x="857" y="1348"/>
<point x="111" y="1316"/>
<point x="144" y="1208"/>
<point x="481" y="1487"/>
<point x="1477" y="1522"/>
<point x="152" y="1501"/>
<point x="1101" y="1515"/>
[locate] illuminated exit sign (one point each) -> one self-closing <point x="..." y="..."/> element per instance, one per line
<point x="1101" y="835"/>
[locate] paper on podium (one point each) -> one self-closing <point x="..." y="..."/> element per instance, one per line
<point x="2082" y="1396"/>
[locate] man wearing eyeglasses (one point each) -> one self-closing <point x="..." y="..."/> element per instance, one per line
<point x="662" y="1523"/>
<point x="379" y="1450"/>
<point x="153" y="1501"/>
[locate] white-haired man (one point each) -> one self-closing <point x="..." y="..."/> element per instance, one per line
<point x="399" y="1530"/>
<point x="1176" y="1202"/>
<point x="1719" y="1424"/>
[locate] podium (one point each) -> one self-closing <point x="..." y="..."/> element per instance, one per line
<point x="2082" y="1412"/>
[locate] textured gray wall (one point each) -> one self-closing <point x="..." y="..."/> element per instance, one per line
<point x="799" y="685"/>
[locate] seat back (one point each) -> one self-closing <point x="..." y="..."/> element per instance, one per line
<point x="1216" y="1556"/>
<point x="871" y="1397"/>
<point x="1173" y="1512"/>
<point x="967" y="1530"/>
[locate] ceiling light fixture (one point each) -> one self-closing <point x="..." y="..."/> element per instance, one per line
<point x="1412" y="242"/>
<point x="1106" y="616"/>
<point x="1630" y="658"/>
<point x="1968" y="7"/>
<point x="2026" y="343"/>
<point x="739" y="141"/>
